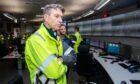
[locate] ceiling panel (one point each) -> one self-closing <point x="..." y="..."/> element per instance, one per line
<point x="30" y="8"/>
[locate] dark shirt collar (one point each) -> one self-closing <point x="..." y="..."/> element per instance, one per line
<point x="51" y="32"/>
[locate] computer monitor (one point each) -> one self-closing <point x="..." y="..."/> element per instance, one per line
<point x="94" y="43"/>
<point x="125" y="51"/>
<point x="102" y="44"/>
<point x="135" y="54"/>
<point x="88" y="41"/>
<point x="113" y="48"/>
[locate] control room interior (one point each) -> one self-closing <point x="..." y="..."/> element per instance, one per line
<point x="108" y="54"/>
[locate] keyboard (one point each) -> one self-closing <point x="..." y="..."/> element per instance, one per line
<point x="135" y="81"/>
<point x="107" y="57"/>
<point x="123" y="65"/>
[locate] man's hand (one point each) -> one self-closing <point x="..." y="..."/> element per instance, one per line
<point x="60" y="59"/>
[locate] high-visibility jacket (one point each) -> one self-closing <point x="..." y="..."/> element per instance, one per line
<point x="1" y="39"/>
<point x="78" y="40"/>
<point x="41" y="54"/>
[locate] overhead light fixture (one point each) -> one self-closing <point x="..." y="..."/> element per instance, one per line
<point x="10" y="17"/>
<point x="88" y="13"/>
<point x="15" y="21"/>
<point x="77" y="18"/>
<point x="23" y="19"/>
<point x="42" y="8"/>
<point x="101" y="4"/>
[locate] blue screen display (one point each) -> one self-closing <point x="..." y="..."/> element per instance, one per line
<point x="113" y="48"/>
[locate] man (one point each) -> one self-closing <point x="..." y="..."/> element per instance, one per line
<point x="78" y="39"/>
<point x="43" y="51"/>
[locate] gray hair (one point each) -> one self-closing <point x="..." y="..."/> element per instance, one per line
<point x="48" y="7"/>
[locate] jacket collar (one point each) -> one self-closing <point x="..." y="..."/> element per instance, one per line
<point x="50" y="31"/>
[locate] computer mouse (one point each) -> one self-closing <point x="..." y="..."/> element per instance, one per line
<point x="105" y="60"/>
<point x="123" y="82"/>
<point x="112" y="62"/>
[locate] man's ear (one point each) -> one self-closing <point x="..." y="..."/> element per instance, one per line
<point x="45" y="16"/>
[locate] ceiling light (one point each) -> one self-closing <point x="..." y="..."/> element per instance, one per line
<point x="101" y="4"/>
<point x="10" y="17"/>
<point x="23" y="19"/>
<point x="88" y="13"/>
<point x="15" y="21"/>
<point x="42" y="8"/>
<point x="77" y="18"/>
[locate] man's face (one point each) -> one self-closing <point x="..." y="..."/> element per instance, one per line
<point x="63" y="30"/>
<point x="54" y="19"/>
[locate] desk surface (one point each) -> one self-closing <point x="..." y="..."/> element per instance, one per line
<point x="12" y="55"/>
<point x="115" y="71"/>
<point x="15" y="55"/>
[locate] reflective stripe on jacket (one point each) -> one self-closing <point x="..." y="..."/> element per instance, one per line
<point x="41" y="54"/>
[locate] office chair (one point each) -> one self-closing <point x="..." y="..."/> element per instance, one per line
<point x="84" y="64"/>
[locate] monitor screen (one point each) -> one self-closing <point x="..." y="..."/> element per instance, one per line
<point x="135" y="54"/>
<point x="102" y="44"/>
<point x="125" y="51"/>
<point x="86" y="41"/>
<point x="113" y="48"/>
<point x="94" y="43"/>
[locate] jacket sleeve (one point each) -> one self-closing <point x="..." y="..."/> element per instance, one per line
<point x="39" y="53"/>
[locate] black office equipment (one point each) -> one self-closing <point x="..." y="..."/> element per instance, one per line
<point x="123" y="82"/>
<point x="102" y="45"/>
<point x="123" y="65"/>
<point x="95" y="43"/>
<point x="112" y="62"/>
<point x="125" y="51"/>
<point x="136" y="54"/>
<point x="84" y="63"/>
<point x="85" y="41"/>
<point x="134" y="68"/>
<point x="108" y="57"/>
<point x="135" y="81"/>
<point x="103" y="53"/>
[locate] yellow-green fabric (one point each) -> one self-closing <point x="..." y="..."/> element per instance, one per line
<point x="78" y="40"/>
<point x="1" y="39"/>
<point x="67" y="36"/>
<point x="37" y="50"/>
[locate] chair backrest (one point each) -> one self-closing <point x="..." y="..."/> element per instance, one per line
<point x="84" y="64"/>
<point x="83" y="48"/>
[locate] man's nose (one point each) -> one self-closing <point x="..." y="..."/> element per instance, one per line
<point x="60" y="20"/>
